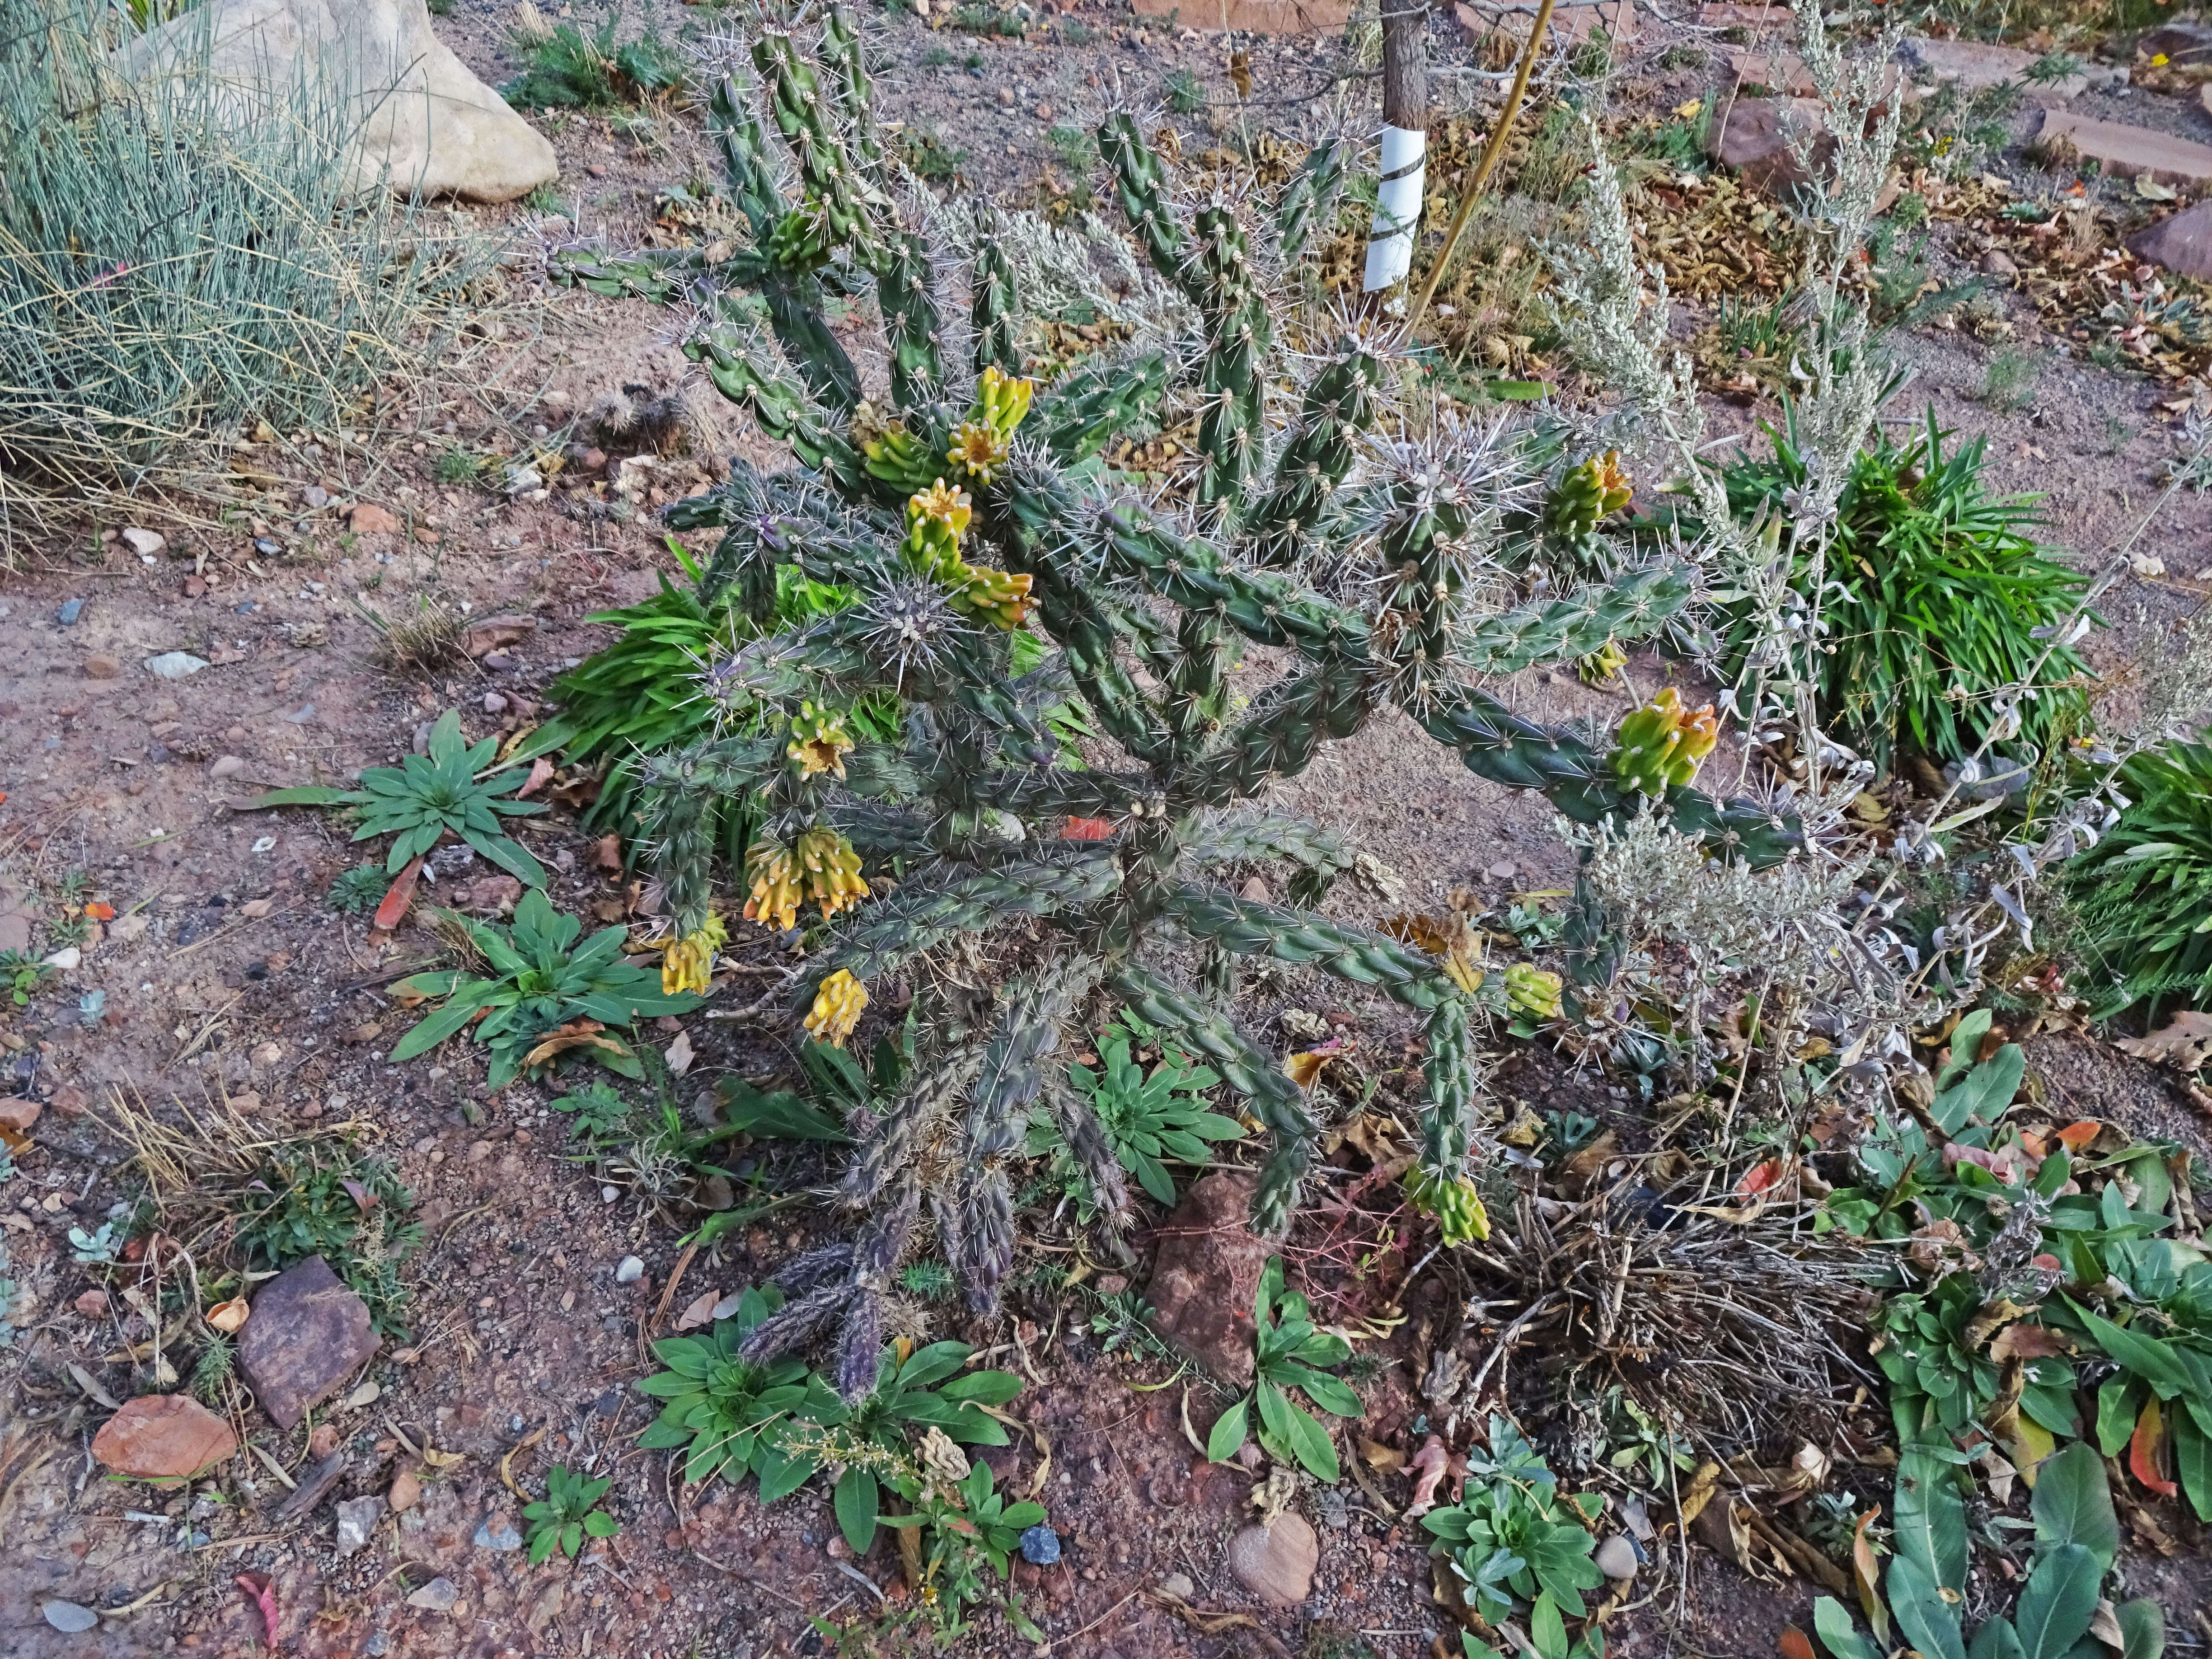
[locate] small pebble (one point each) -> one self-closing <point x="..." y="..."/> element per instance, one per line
<point x="1040" y="1546"/>
<point x="439" y="1595"/>
<point x="493" y="703"/>
<point x="69" y="1617"/>
<point x="1616" y="1557"/>
<point x="175" y="664"/>
<point x="1178" y="1585"/>
<point x="630" y="1271"/>
<point x="67" y="615"/>
<point x="498" y="1532"/>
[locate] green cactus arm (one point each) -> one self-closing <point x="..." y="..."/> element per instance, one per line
<point x="660" y="275"/>
<point x="735" y="128"/>
<point x="794" y="311"/>
<point x="1286" y="726"/>
<point x="912" y="326"/>
<point x="1231" y="376"/>
<point x="1141" y="183"/>
<point x="1339" y="404"/>
<point x="1196" y="688"/>
<point x="725" y="345"/>
<point x="680" y="796"/>
<point x="929" y="910"/>
<point x="1245" y="837"/>
<point x="1635" y="603"/>
<point x="1498" y="744"/>
<point x="1013" y="1073"/>
<point x="1268" y="608"/>
<point x="931" y="1094"/>
<point x="882" y="832"/>
<point x="1250" y="928"/>
<point x="854" y="93"/>
<point x="995" y="307"/>
<point x="1308" y="199"/>
<point x="1452" y="1075"/>
<point x="1100" y="401"/>
<point x="1277" y="1101"/>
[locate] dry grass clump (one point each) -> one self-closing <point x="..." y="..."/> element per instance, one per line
<point x="419" y="643"/>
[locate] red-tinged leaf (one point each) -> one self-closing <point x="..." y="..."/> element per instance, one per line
<point x="1757" y="1180"/>
<point x="1795" y="1644"/>
<point x="1087" y="830"/>
<point x="263" y="1591"/>
<point x="2075" y="1136"/>
<point x="2143" y="1449"/>
<point x="398" y="897"/>
<point x="360" y="1195"/>
<point x="541" y="772"/>
<point x="100" y="910"/>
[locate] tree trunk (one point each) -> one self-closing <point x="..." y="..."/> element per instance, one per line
<point x="1405" y="143"/>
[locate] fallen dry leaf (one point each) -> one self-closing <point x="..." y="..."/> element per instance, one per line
<point x="2183" y="1042"/>
<point x="1795" y="1643"/>
<point x="2025" y="1340"/>
<point x="2145" y="1449"/>
<point x="228" y="1316"/>
<point x="679" y="1054"/>
<point x="701" y="1310"/>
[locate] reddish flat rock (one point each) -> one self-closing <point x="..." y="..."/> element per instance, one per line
<point x="1277" y="1562"/>
<point x="2127" y="152"/>
<point x="2181" y="244"/>
<point x="308" y="1334"/>
<point x="1976" y="65"/>
<point x="163" y="1437"/>
<point x="1207" y="1277"/>
<point x="1729" y="14"/>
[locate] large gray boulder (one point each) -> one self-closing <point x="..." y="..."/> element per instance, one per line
<point x="426" y="127"/>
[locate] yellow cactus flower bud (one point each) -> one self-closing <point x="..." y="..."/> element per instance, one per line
<point x="1532" y="990"/>
<point x="1454" y="1202"/>
<point x="833" y="871"/>
<point x="1004" y="399"/>
<point x="1602" y="664"/>
<point x="687" y="962"/>
<point x="940" y="503"/>
<point x="995" y="596"/>
<point x="1662" y="743"/>
<point x="774" y="871"/>
<point x="819" y="741"/>
<point x="979" y="449"/>
<point x="837" y="1008"/>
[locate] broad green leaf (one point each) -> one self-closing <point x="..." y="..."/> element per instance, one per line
<point x="2058" y="1602"/>
<point x="926" y="1365"/>
<point x="1547" y="1631"/>
<point x="2148" y="1357"/>
<point x="1929" y="1622"/>
<point x="2073" y="1506"/>
<point x="2143" y="1629"/>
<point x="1312" y="1445"/>
<point x="855" y="1498"/>
<point x="1996" y="1639"/>
<point x="1832" y="1622"/>
<point x="2192" y="1460"/>
<point x="1230" y="1430"/>
<point x="777" y="1115"/>
<point x="1929" y="1514"/>
<point x="435" y="1029"/>
<point x="2119" y="1403"/>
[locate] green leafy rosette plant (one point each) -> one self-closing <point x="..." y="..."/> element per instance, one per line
<point x="1146" y="1117"/>
<point x="727" y="1409"/>
<point x="1291" y="1354"/>
<point x="452" y="789"/>
<point x="542" y="995"/>
<point x="568" y="1513"/>
<point x="1510" y="1542"/>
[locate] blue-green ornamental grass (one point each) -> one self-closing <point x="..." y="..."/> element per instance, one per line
<point x="2144" y="892"/>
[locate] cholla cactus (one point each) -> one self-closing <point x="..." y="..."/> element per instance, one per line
<point x="960" y="518"/>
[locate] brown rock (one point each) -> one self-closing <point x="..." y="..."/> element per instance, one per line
<point x="163" y="1436"/>
<point x="2126" y="152"/>
<point x="488" y="635"/>
<point x="2181" y="243"/>
<point x="19" y="1114"/>
<point x="101" y="666"/>
<point x="1276" y="1562"/>
<point x="92" y="1304"/>
<point x="1998" y="262"/>
<point x="367" y="518"/>
<point x="307" y="1335"/>
<point x="406" y="1490"/>
<point x="1755" y="135"/>
<point x="2185" y="40"/>
<point x="1207" y="1277"/>
<point x="1778" y="71"/>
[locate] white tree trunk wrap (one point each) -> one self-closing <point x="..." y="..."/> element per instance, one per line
<point x="1397" y="208"/>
